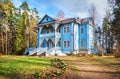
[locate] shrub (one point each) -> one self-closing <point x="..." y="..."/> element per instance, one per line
<point x="36" y="74"/>
<point x="58" y="63"/>
<point x="57" y="72"/>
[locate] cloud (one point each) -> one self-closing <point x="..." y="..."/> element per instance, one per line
<point x="75" y="7"/>
<point x="71" y="8"/>
<point x="81" y="7"/>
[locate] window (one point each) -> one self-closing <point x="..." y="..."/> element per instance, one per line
<point x="82" y="43"/>
<point x="47" y="18"/>
<point x="66" y="44"/>
<point x="66" y="29"/>
<point x="82" y="30"/>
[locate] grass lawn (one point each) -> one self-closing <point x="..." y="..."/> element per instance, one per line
<point x="17" y="66"/>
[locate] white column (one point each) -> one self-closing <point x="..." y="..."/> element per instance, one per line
<point x="55" y="26"/>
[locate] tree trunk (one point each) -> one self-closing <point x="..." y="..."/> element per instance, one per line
<point x="2" y="42"/>
<point x="6" y="28"/>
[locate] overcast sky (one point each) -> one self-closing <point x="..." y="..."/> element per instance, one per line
<point x="71" y="8"/>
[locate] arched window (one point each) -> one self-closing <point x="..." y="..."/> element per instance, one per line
<point x="81" y="30"/>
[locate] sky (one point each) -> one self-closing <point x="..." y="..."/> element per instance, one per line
<point x="71" y="8"/>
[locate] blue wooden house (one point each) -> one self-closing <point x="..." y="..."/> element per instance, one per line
<point x="65" y="36"/>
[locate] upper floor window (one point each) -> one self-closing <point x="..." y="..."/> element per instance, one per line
<point x="66" y="29"/>
<point x="81" y="30"/>
<point x="66" y="44"/>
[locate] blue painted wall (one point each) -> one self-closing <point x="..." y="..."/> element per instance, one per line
<point x="82" y="36"/>
<point x="66" y="36"/>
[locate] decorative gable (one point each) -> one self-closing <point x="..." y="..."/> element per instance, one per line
<point x="46" y="19"/>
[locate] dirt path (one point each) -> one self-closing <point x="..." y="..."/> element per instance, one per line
<point x="91" y="67"/>
<point x="89" y="71"/>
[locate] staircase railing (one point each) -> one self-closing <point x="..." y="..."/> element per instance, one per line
<point x="33" y="52"/>
<point x="41" y="50"/>
<point x="50" y="52"/>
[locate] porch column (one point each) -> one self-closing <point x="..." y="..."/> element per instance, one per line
<point x="39" y="38"/>
<point x="55" y="26"/>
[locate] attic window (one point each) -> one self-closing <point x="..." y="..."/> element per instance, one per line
<point x="47" y="19"/>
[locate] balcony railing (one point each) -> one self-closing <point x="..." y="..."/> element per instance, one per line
<point x="47" y="34"/>
<point x="50" y="34"/>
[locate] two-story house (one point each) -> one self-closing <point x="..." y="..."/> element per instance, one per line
<point x="65" y="36"/>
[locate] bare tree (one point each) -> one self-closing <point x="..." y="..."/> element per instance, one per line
<point x="93" y="12"/>
<point x="60" y="15"/>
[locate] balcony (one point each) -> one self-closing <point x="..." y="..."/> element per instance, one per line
<point x="52" y="34"/>
<point x="47" y="35"/>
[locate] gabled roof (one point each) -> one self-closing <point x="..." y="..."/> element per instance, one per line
<point x="46" y="19"/>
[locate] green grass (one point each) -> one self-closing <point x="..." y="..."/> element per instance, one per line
<point x="11" y="66"/>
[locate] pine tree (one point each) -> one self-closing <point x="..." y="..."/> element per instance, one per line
<point x="116" y="21"/>
<point x="116" y="27"/>
<point x="6" y="7"/>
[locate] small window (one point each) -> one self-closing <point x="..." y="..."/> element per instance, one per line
<point x="82" y="43"/>
<point x="66" y="29"/>
<point x="82" y="30"/>
<point x="47" y="18"/>
<point x="66" y="44"/>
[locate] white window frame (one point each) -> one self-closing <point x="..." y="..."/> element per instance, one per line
<point x="66" y="29"/>
<point x="66" y="43"/>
